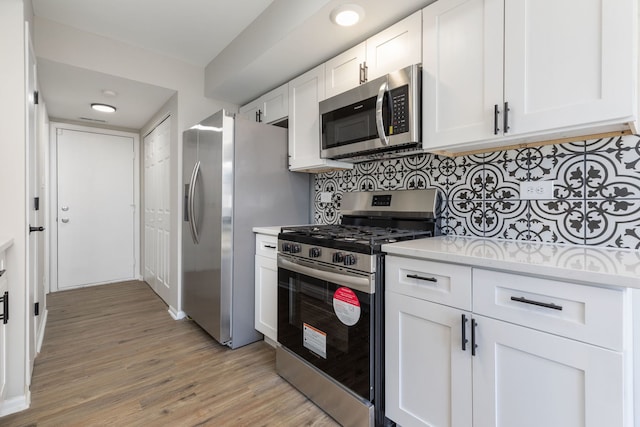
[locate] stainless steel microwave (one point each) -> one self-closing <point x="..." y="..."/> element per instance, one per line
<point x="380" y="116"/>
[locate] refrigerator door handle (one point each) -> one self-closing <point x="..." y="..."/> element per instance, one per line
<point x="192" y="193"/>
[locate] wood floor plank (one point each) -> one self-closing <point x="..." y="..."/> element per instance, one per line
<point x="112" y="356"/>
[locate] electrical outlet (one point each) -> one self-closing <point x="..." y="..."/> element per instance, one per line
<point x="536" y="190"/>
<point x="326" y="196"/>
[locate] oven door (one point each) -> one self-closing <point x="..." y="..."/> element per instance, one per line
<point x="325" y="318"/>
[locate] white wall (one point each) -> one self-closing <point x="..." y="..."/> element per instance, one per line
<point x="67" y="45"/>
<point x="13" y="213"/>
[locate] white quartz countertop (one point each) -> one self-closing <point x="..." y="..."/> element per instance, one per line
<point x="274" y="229"/>
<point x="5" y="243"/>
<point x="269" y="230"/>
<point x="588" y="265"/>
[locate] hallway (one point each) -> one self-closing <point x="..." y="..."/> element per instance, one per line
<point x="112" y="355"/>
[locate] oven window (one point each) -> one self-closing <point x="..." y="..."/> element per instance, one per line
<point x="326" y="333"/>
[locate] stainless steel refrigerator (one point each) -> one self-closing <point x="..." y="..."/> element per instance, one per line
<point x="235" y="177"/>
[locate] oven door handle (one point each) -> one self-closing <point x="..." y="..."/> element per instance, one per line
<point x="359" y="283"/>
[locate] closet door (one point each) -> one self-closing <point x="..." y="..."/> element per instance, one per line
<point x="157" y="210"/>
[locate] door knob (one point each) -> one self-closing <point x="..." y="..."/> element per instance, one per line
<point x="65" y="220"/>
<point x="32" y="229"/>
<point x="65" y="208"/>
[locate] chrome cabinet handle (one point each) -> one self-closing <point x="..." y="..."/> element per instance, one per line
<point x="496" y="112"/>
<point x="379" y="122"/>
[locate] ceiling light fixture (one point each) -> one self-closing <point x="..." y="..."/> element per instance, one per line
<point x="347" y="15"/>
<point x="103" y="108"/>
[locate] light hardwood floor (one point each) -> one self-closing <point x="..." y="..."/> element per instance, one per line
<point x="113" y="356"/>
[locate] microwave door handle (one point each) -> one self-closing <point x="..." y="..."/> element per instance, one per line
<point x="384" y="87"/>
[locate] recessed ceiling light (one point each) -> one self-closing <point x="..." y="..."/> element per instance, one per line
<point x="109" y="92"/>
<point x="347" y="15"/>
<point x="103" y="108"/>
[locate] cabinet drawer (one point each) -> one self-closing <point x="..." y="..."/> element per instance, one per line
<point x="438" y="282"/>
<point x="266" y="245"/>
<point x="585" y="313"/>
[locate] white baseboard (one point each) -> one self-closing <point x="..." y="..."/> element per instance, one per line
<point x="177" y="315"/>
<point x="41" y="330"/>
<point x="15" y="404"/>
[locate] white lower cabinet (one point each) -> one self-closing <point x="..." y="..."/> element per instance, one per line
<point x="447" y="366"/>
<point x="427" y="374"/>
<point x="527" y="378"/>
<point x="266" y="286"/>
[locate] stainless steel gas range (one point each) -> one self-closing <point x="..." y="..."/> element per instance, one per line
<point x="331" y="300"/>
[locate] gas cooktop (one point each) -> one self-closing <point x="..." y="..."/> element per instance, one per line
<point x="357" y="234"/>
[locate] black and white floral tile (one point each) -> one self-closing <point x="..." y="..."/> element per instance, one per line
<point x="596" y="191"/>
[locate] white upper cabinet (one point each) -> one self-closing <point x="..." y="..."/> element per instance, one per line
<point x="270" y="107"/>
<point x="498" y="72"/>
<point x="395" y="48"/>
<point x="250" y="110"/>
<point x="392" y="49"/>
<point x="305" y="94"/>
<point x="345" y="71"/>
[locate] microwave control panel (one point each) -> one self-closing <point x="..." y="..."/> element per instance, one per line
<point x="400" y="110"/>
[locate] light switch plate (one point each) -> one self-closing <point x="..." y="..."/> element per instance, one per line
<point x="536" y="190"/>
<point x="326" y="196"/>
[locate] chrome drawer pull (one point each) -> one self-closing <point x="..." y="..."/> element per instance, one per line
<point x="538" y="303"/>
<point x="428" y="279"/>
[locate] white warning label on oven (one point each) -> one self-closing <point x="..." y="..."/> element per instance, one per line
<point x="346" y="306"/>
<point x="315" y="340"/>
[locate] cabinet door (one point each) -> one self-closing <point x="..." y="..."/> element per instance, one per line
<point x="527" y="378"/>
<point x="396" y="47"/>
<point x="462" y="70"/>
<point x="427" y="375"/>
<point x="266" y="310"/>
<point x="343" y="71"/>
<point x="275" y="104"/>
<point x="568" y="62"/>
<point x="305" y="94"/>
<point x="4" y="286"/>
<point x="250" y="110"/>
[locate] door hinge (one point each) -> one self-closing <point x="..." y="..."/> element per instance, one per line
<point x="35" y="97"/>
<point x="5" y="307"/>
<point x="36" y="309"/>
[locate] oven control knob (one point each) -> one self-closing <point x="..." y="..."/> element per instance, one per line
<point x="350" y="259"/>
<point x="295" y="248"/>
<point x="338" y="257"/>
<point x="286" y="247"/>
<point x="314" y="252"/>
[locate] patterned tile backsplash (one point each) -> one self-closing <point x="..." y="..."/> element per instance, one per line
<point x="596" y="191"/>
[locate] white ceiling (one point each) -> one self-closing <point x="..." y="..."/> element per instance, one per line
<point x="194" y="31"/>
<point x="267" y="41"/>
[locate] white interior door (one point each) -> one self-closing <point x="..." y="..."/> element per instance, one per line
<point x="157" y="210"/>
<point x="95" y="215"/>
<point x="35" y="239"/>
